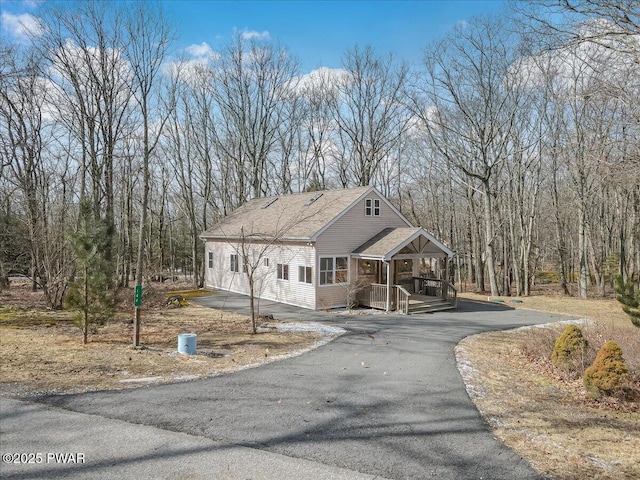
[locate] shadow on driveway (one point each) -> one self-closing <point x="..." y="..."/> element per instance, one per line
<point x="385" y="399"/>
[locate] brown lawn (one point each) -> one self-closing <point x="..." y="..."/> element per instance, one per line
<point x="42" y="352"/>
<point x="541" y="413"/>
<point x="544" y="414"/>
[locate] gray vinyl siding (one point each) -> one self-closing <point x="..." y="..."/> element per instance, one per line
<point x="354" y="228"/>
<point x="345" y="235"/>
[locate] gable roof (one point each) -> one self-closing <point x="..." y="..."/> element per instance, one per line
<point x="391" y="241"/>
<point x="295" y="217"/>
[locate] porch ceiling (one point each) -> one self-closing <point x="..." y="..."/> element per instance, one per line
<point x="401" y="243"/>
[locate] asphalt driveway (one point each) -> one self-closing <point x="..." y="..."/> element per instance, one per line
<point x="384" y="400"/>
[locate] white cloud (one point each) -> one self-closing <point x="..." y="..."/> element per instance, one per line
<point x="21" y="26"/>
<point x="199" y="58"/>
<point x="322" y="78"/>
<point x="198" y="55"/>
<point x="85" y="60"/>
<point x="462" y="24"/>
<point x="189" y="71"/>
<point x="254" y="35"/>
<point x="32" y="3"/>
<point x="577" y="69"/>
<point x="199" y="50"/>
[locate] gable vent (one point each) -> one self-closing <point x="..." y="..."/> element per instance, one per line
<point x="313" y="199"/>
<point x="270" y="202"/>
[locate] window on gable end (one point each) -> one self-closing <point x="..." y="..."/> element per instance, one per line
<point x="372" y="207"/>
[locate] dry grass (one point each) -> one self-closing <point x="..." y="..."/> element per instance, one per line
<point x="41" y="351"/>
<point x="606" y="321"/>
<point x="541" y="413"/>
<point x="544" y="414"/>
<point x="594" y="308"/>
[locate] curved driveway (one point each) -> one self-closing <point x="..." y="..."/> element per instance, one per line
<point x="392" y="406"/>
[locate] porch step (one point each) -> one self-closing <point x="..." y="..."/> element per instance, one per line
<point x="428" y="307"/>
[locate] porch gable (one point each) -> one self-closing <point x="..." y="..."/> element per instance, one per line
<point x="401" y="243"/>
<point x="393" y="247"/>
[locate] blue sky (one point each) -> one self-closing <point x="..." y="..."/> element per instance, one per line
<point x="319" y="31"/>
<point x="316" y="31"/>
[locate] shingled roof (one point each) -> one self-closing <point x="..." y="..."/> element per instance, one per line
<point x="390" y="241"/>
<point x="296" y="217"/>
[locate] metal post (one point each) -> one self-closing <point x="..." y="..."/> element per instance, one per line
<point x="137" y="302"/>
<point x="136" y="328"/>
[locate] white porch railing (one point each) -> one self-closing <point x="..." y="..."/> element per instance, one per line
<point x="436" y="287"/>
<point x="402" y="299"/>
<point x="375" y="294"/>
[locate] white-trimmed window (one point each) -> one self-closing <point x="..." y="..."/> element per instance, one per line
<point x="266" y="262"/>
<point x="234" y="263"/>
<point x="283" y="271"/>
<point x="334" y="270"/>
<point x="210" y="259"/>
<point x="305" y="274"/>
<point x="372" y="207"/>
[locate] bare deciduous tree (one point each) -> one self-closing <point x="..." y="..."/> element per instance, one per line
<point x="149" y="36"/>
<point x="468" y="103"/>
<point x="252" y="85"/>
<point x="31" y="161"/>
<point x="84" y="48"/>
<point x="370" y="114"/>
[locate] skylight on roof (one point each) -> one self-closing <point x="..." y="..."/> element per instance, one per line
<point x="269" y="202"/>
<point x="313" y="199"/>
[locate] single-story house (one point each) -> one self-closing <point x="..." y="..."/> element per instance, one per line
<point x="329" y="249"/>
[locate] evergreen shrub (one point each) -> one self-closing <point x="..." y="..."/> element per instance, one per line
<point x="568" y="351"/>
<point x="608" y="373"/>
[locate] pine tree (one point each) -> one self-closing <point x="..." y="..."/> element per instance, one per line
<point x="88" y="293"/>
<point x="629" y="299"/>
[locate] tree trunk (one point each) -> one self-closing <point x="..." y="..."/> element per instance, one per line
<point x="561" y="246"/>
<point x="583" y="278"/>
<point x="252" y="304"/>
<point x="488" y="226"/>
<point x="514" y="254"/>
<point x="143" y="227"/>
<point x="85" y="307"/>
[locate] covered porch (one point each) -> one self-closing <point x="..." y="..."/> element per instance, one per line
<point x="404" y="270"/>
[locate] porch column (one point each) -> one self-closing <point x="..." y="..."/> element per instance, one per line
<point x="415" y="269"/>
<point x="446" y="269"/>
<point x="388" y="306"/>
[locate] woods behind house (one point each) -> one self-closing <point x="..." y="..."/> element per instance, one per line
<point x="516" y="141"/>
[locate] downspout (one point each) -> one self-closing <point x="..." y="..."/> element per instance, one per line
<point x="388" y="305"/>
